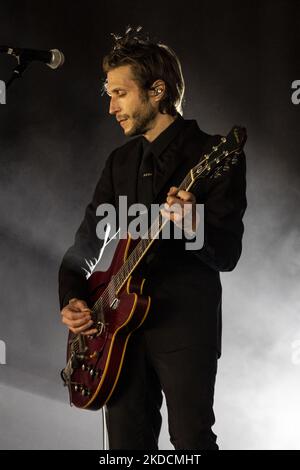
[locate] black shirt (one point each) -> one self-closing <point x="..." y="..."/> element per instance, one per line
<point x="165" y="138"/>
<point x="150" y="150"/>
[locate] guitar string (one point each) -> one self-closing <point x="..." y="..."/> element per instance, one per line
<point x="135" y="257"/>
<point x="121" y="277"/>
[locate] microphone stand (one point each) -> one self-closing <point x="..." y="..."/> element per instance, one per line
<point x="18" y="71"/>
<point x="104" y="430"/>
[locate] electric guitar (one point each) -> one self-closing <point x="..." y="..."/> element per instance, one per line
<point x="119" y="307"/>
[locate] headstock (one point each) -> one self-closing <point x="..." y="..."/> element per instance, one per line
<point x="222" y="155"/>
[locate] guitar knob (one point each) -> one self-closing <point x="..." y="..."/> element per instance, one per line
<point x="83" y="367"/>
<point x="85" y="392"/>
<point x="76" y="388"/>
<point x="92" y="372"/>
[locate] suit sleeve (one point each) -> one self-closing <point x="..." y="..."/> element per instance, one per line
<point x="72" y="277"/>
<point x="224" y="206"/>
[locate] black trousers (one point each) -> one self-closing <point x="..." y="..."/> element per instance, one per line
<point x="187" y="377"/>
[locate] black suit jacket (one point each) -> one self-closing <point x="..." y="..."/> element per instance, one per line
<point x="184" y="285"/>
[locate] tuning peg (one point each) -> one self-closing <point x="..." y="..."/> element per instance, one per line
<point x="215" y="174"/>
<point x="226" y="167"/>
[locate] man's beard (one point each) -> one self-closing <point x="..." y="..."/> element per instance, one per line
<point x="142" y="121"/>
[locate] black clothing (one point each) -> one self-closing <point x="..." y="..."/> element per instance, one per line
<point x="150" y="151"/>
<point x="184" y="286"/>
<point x="187" y="377"/>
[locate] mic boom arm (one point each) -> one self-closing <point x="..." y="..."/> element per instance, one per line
<point x="53" y="58"/>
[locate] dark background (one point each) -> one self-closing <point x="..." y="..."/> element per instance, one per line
<point x="239" y="60"/>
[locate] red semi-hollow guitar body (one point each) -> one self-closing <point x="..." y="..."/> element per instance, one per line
<point x="96" y="375"/>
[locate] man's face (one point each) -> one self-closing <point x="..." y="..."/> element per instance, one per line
<point x="131" y="106"/>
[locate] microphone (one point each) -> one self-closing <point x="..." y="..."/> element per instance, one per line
<point x="53" y="58"/>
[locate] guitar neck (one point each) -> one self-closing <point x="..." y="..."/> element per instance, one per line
<point x="120" y="278"/>
<point x="145" y="243"/>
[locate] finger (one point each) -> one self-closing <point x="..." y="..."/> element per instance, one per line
<point x="183" y="208"/>
<point x="167" y="215"/>
<point x="90" y="332"/>
<point x="186" y="195"/>
<point x="74" y="309"/>
<point x="177" y="208"/>
<point x="79" y="304"/>
<point x="172" y="190"/>
<point x="169" y="212"/>
<point x="77" y="323"/>
<point x="173" y="200"/>
<point x="81" y="329"/>
<point x="74" y="315"/>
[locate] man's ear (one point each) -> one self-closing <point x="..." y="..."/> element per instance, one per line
<point x="158" y="89"/>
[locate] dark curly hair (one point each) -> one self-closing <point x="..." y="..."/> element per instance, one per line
<point x="150" y="61"/>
